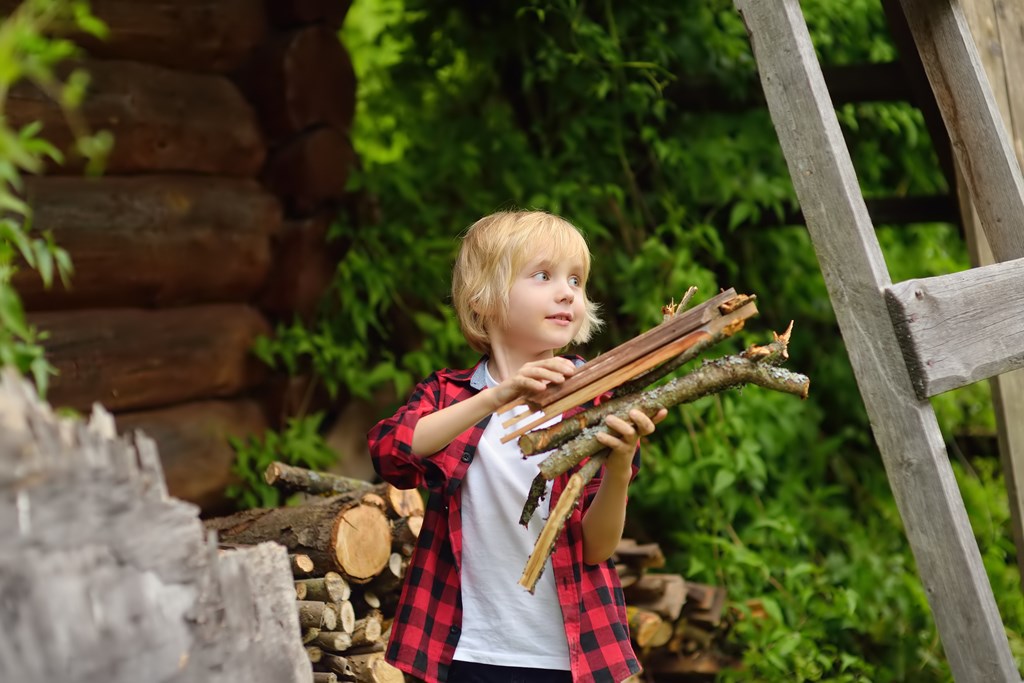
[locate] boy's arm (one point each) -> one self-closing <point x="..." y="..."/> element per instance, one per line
<point x="438" y="429"/>
<point x="605" y="519"/>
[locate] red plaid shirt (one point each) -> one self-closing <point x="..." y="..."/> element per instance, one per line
<point x="427" y="623"/>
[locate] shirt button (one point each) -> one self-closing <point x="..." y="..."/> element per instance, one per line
<point x="454" y="629"/>
<point x="466" y="457"/>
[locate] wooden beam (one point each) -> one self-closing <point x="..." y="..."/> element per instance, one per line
<point x="130" y="359"/>
<point x="193" y="442"/>
<point x="152" y="240"/>
<point x="997" y="28"/>
<point x="162" y="120"/>
<point x="192" y="35"/>
<point x="855" y="273"/>
<point x="976" y="129"/>
<point x="961" y="328"/>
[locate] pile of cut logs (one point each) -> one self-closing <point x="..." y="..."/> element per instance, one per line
<point x="349" y="551"/>
<point x="350" y="544"/>
<point x="675" y="624"/>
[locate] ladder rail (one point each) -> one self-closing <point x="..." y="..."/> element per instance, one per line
<point x="904" y="426"/>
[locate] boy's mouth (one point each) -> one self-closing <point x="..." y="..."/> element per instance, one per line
<point x="561" y="317"/>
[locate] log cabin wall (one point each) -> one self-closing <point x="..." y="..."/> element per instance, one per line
<point x="231" y="154"/>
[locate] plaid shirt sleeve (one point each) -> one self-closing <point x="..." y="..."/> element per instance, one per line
<point x="390" y="441"/>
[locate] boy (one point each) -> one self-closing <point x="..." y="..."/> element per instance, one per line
<point x="518" y="287"/>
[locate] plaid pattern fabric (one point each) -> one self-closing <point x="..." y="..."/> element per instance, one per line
<point x="427" y="624"/>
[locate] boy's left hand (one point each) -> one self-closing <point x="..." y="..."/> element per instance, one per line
<point x="623" y="445"/>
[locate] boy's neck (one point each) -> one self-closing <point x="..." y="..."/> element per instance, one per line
<point x="504" y="362"/>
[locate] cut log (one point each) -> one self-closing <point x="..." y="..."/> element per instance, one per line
<point x="316" y="614"/>
<point x="397" y="502"/>
<point x="405" y="532"/>
<point x="404" y="504"/>
<point x="314" y="653"/>
<point x="639" y="556"/>
<point x="192" y="35"/>
<point x="346" y="616"/>
<point x="663" y="594"/>
<point x="335" y="641"/>
<point x="292" y="479"/>
<point x="705" y="604"/>
<point x="372" y="668"/>
<point x="133" y="358"/>
<point x="302" y="78"/>
<point x="325" y="677"/>
<point x="162" y="120"/>
<point x="309" y="635"/>
<point x="300" y="591"/>
<point x="647" y="629"/>
<point x="297" y="12"/>
<point x="194" y="449"/>
<point x="152" y="240"/>
<point x="303" y="268"/>
<point x="331" y="587"/>
<point x="310" y="170"/>
<point x="339" y="535"/>
<point x="301" y="564"/>
<point x="337" y="665"/>
<point x="390" y="578"/>
<point x="367" y="631"/>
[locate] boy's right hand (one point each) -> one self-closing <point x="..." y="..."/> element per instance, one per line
<point x="533" y="378"/>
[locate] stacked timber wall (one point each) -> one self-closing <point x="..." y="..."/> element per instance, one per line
<point x="231" y="154"/>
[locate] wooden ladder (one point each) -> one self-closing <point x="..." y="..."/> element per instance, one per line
<point x="911" y="340"/>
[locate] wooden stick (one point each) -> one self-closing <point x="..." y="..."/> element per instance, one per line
<point x="671" y="328"/>
<point x="557" y="518"/>
<point x="730" y="324"/>
<point x="541" y="440"/>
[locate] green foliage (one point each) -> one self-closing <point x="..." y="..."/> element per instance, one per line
<point x="26" y="54"/>
<point x="634" y="121"/>
<point x="300" y="444"/>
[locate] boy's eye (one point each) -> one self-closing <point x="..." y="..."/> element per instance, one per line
<point x="574" y="281"/>
<point x="541" y="275"/>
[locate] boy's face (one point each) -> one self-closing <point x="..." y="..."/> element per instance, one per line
<point x="546" y="305"/>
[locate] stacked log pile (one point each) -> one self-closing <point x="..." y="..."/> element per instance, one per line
<point x="107" y="579"/>
<point x="350" y="545"/>
<point x="230" y="121"/>
<point x="676" y="625"/>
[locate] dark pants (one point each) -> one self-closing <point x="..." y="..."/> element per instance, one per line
<point x="472" y="672"/>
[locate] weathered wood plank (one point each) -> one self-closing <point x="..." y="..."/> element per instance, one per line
<point x="130" y="359"/>
<point x="152" y="240"/>
<point x="194" y="449"/>
<point x="106" y="579"/>
<point x="980" y="142"/>
<point x="960" y="328"/>
<point x="905" y="428"/>
<point x="161" y="119"/>
<point x="997" y="28"/>
<point x="193" y="35"/>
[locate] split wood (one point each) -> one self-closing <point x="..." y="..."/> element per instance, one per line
<point x="728" y="319"/>
<point x="753" y="366"/>
<point x="671" y="329"/>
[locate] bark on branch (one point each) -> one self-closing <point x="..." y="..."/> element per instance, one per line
<point x="756" y="365"/>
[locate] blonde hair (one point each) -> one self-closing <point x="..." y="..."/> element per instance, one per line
<point x="493" y="251"/>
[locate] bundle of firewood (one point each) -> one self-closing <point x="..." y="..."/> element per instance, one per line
<point x="623" y="376"/>
<point x="676" y="625"/>
<point x="349" y="547"/>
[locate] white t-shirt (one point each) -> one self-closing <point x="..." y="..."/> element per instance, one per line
<point x="502" y="624"/>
